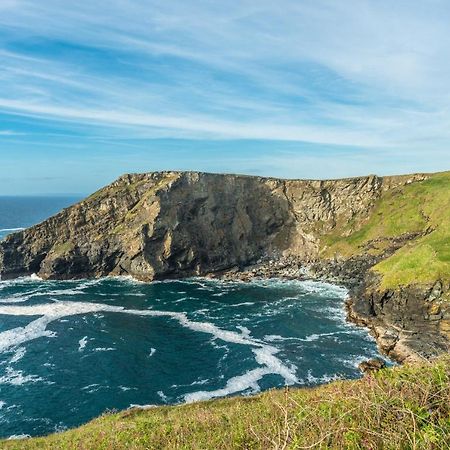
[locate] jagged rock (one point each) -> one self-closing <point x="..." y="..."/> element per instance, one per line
<point x="436" y="292"/>
<point x="177" y="224"/>
<point x="171" y="224"/>
<point x="371" y="365"/>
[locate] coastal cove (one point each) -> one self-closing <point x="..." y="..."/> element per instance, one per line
<point x="106" y="344"/>
<point x="160" y="289"/>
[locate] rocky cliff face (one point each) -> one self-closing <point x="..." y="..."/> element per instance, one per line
<point x="176" y="224"/>
<point x="173" y="224"/>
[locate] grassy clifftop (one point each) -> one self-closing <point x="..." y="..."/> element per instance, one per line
<point x="401" y="407"/>
<point x="419" y="211"/>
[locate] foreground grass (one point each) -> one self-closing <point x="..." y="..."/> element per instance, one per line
<point x="404" y="407"/>
<point x="422" y="207"/>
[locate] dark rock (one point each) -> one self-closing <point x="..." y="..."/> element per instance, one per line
<point x="178" y="224"/>
<point x="371" y="365"/>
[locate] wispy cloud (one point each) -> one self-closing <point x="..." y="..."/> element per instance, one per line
<point x="10" y="133"/>
<point x="369" y="74"/>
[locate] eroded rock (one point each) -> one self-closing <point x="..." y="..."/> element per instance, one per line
<point x="371" y="365"/>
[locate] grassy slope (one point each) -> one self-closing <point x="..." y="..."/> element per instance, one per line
<point x="402" y="407"/>
<point x="414" y="208"/>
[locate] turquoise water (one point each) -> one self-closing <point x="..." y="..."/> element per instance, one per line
<point x="70" y="350"/>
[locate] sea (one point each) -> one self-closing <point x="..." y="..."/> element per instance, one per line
<point x="72" y="350"/>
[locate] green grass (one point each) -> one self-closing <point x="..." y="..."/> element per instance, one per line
<point x="405" y="407"/>
<point x="421" y="207"/>
<point x="64" y="247"/>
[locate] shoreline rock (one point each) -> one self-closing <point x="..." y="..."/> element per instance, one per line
<point x="421" y="340"/>
<point x="371" y="365"/>
<point x="166" y="225"/>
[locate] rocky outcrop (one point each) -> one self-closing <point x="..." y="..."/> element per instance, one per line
<point x="371" y="365"/>
<point x="408" y="323"/>
<point x="177" y="224"/>
<point x="172" y="224"/>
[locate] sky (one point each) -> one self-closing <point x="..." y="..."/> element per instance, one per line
<point x="93" y="89"/>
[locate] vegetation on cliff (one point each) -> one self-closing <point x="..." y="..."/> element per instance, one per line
<point x="402" y="407"/>
<point x="419" y="212"/>
<point x="178" y="224"/>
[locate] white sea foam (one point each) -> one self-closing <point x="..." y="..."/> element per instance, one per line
<point x="320" y="288"/>
<point x="309" y="338"/>
<point x="219" y="294"/>
<point x="163" y="396"/>
<point x="200" y="382"/>
<point x="45" y="288"/>
<point x="152" y="352"/>
<point x="18" y="355"/>
<point x="127" y="279"/>
<point x="323" y="288"/>
<point x="82" y="343"/>
<point x="23" y="297"/>
<point x="264" y="354"/>
<point x="244" y="330"/>
<point x="89" y="386"/>
<point x="14" y="437"/>
<point x="354" y="361"/>
<point x="240" y="383"/>
<point x="275" y="337"/>
<point x="5" y="230"/>
<point x="136" y="406"/>
<point x="35" y="277"/>
<point x="17" y="378"/>
<point x="270" y="364"/>
<point x="2" y="404"/>
<point x="20" y="335"/>
<point x="88" y="283"/>
<point x="32" y="279"/>
<point x="14" y="299"/>
<point x="310" y="378"/>
<point x="194" y="383"/>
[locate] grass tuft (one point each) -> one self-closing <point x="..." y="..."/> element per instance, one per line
<point x="405" y="407"/>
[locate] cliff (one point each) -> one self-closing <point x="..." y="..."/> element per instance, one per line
<point x="388" y="238"/>
<point x="177" y="224"/>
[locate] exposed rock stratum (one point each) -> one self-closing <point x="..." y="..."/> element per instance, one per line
<point x="177" y="224"/>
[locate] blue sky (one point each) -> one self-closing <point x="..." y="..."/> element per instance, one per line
<point x="298" y="89"/>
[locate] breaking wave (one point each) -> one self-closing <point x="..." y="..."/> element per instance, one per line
<point x="198" y="339"/>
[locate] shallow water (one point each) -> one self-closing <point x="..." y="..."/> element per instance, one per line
<point x="69" y="350"/>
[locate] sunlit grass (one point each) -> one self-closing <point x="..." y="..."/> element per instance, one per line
<point x="421" y="207"/>
<point x="405" y="407"/>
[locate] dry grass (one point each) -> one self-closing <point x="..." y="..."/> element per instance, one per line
<point x="405" y="407"/>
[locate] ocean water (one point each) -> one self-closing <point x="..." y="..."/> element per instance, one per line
<point x="21" y="212"/>
<point x="71" y="350"/>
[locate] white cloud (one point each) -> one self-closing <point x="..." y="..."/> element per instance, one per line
<point x="361" y="72"/>
<point x="198" y="127"/>
<point x="10" y="133"/>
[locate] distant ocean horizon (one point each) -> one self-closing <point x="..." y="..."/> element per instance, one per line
<point x="22" y="211"/>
